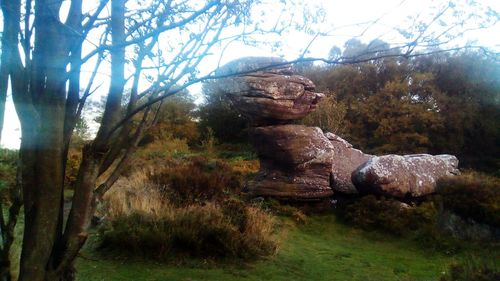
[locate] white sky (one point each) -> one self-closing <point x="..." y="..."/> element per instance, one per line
<point x="339" y="13"/>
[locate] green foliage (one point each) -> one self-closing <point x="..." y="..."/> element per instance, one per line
<point x="441" y="103"/>
<point x="473" y="268"/>
<point x="470" y="107"/>
<point x="388" y="215"/>
<point x="329" y="116"/>
<point x="236" y="152"/>
<point x="205" y="231"/>
<point x="472" y="195"/>
<point x="8" y="166"/>
<point x="218" y="114"/>
<point x="176" y="121"/>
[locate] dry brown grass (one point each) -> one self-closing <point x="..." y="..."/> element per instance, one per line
<point x="133" y="194"/>
<point x="142" y="221"/>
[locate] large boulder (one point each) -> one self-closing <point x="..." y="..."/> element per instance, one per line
<point x="403" y="176"/>
<point x="295" y="162"/>
<point x="289" y="145"/>
<point x="266" y="91"/>
<point x="346" y="160"/>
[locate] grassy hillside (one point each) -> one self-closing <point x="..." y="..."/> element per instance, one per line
<point x="322" y="249"/>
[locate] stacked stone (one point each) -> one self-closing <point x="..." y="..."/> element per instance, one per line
<point x="295" y="160"/>
<point x="303" y="163"/>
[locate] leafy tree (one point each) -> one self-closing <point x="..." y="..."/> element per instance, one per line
<point x="469" y="106"/>
<point x="329" y="116"/>
<point x="49" y="101"/>
<point x="175" y="119"/>
<point x="217" y="113"/>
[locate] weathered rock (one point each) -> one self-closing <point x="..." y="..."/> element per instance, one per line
<point x="289" y="145"/>
<point x="268" y="96"/>
<point x="403" y="176"/>
<point x="295" y="162"/>
<point x="346" y="160"/>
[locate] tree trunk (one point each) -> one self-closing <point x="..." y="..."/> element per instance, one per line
<point x="42" y="177"/>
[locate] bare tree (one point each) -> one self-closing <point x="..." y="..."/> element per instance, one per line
<point x="153" y="50"/>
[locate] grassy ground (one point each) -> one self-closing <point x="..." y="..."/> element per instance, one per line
<point x="322" y="249"/>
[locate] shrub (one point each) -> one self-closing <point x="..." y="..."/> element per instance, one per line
<point x="163" y="148"/>
<point x="329" y="115"/>
<point x="203" y="231"/>
<point x="197" y="180"/>
<point x="218" y="114"/>
<point x="281" y="209"/>
<point x="473" y="269"/>
<point x="472" y="195"/>
<point x="8" y="165"/>
<point x="388" y="215"/>
<point x="142" y="221"/>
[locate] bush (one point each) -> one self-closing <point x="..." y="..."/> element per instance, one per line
<point x="473" y="269"/>
<point x="203" y="231"/>
<point x="472" y="195"/>
<point x="141" y="220"/>
<point x="197" y="180"/>
<point x="218" y="114"/>
<point x="329" y="116"/>
<point x="163" y="148"/>
<point x="8" y="166"/>
<point x="388" y="215"/>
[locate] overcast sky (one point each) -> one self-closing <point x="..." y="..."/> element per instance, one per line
<point x="340" y="21"/>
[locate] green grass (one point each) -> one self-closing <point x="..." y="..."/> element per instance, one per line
<point x="323" y="249"/>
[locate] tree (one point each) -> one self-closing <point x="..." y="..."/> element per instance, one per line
<point x="151" y="48"/>
<point x="218" y="114"/>
<point x="48" y="101"/>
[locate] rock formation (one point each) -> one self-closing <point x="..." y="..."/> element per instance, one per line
<point x="403" y="176"/>
<point x="268" y="96"/>
<point x="300" y="162"/>
<point x="346" y="160"/>
<point x="295" y="160"/>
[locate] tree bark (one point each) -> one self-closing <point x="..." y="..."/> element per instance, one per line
<point x="42" y="168"/>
